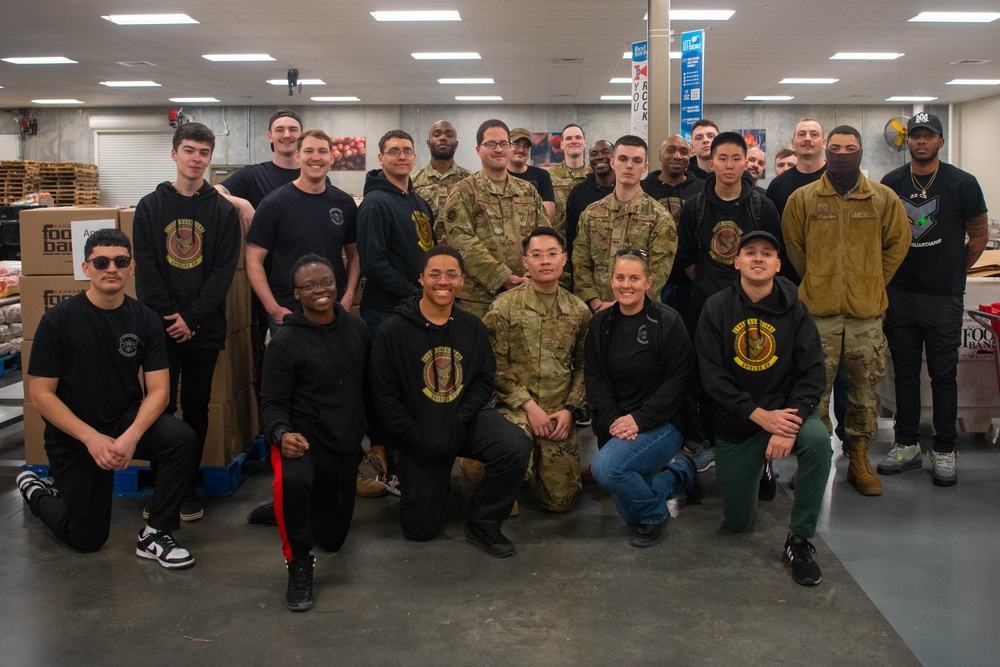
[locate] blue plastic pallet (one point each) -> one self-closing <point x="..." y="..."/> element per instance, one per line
<point x="216" y="481"/>
<point x="9" y="363"/>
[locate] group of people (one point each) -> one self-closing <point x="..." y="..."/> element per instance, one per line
<point x="691" y="319"/>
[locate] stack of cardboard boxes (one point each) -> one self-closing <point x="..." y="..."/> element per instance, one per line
<point x="47" y="279"/>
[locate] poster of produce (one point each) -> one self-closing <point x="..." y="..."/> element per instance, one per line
<point x="348" y="154"/>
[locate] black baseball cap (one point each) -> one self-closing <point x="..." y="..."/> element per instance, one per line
<point x="762" y="235"/>
<point x="924" y="119"/>
<point x="283" y="113"/>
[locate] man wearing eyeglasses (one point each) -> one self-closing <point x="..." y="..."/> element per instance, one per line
<point x="538" y="331"/>
<point x="439" y="176"/>
<point x="187" y="241"/>
<point x="103" y="338"/>
<point x="487" y="215"/>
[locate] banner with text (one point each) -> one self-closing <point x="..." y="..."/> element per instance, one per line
<point x="692" y="79"/>
<point x="640" y="90"/>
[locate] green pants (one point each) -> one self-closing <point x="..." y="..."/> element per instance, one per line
<point x="739" y="465"/>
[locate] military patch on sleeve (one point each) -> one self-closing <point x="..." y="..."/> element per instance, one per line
<point x="493" y="337"/>
<point x="452" y="215"/>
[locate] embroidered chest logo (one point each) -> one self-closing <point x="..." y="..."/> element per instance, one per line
<point x="643" y="336"/>
<point x="184" y="243"/>
<point x="128" y="345"/>
<point x="725" y="243"/>
<point x="754" y="343"/>
<point x="336" y="216"/>
<point x="425" y="237"/>
<point x="442" y="378"/>
<point x="673" y="206"/>
<point x="922" y="216"/>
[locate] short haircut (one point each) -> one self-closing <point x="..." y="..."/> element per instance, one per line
<point x="783" y="153"/>
<point x="104" y="238"/>
<point x="704" y="122"/>
<point x="542" y="231"/>
<point x="579" y="127"/>
<point x="284" y="113"/>
<point x="487" y="124"/>
<point x="807" y="119"/>
<point x="306" y="260"/>
<point x="442" y="250"/>
<point x="845" y="129"/>
<point x="318" y="134"/>
<point x="194" y="132"/>
<point x="729" y="138"/>
<point x="631" y="140"/>
<point x="393" y="134"/>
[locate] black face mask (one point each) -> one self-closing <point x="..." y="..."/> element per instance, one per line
<point x="843" y="169"/>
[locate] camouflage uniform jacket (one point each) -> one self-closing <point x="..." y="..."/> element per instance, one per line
<point x="539" y="352"/>
<point x="435" y="186"/>
<point x="486" y="222"/>
<point x="565" y="179"/>
<point x="610" y="225"/>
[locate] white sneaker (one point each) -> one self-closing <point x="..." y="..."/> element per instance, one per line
<point x="160" y="546"/>
<point x="944" y="469"/>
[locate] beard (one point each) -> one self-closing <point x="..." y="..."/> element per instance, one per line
<point x="933" y="156"/>
<point x="445" y="154"/>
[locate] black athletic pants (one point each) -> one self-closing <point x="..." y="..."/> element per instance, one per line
<point x="192" y="369"/>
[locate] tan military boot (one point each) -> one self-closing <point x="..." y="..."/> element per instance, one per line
<point x="859" y="469"/>
<point x="471" y="469"/>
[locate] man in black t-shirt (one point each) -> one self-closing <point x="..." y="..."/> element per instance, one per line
<point x="808" y="142"/>
<point x="520" y="152"/>
<point x="102" y="339"/>
<point x="925" y="310"/>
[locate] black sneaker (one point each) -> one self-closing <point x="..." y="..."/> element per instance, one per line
<point x="495" y="545"/>
<point x="263" y="514"/>
<point x="768" y="486"/>
<point x="696" y="493"/>
<point x="648" y="535"/>
<point x="584" y="420"/>
<point x="160" y="546"/>
<point x="28" y="483"/>
<point x="300" y="583"/>
<point x="191" y="508"/>
<point x="798" y="556"/>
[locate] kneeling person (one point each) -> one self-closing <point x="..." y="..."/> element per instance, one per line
<point x="432" y="378"/>
<point x="762" y="363"/>
<point x="102" y="338"/>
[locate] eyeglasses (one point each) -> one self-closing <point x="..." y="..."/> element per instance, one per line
<point x="101" y="263"/>
<point x="553" y="254"/>
<point x="450" y="276"/>
<point x="309" y="287"/>
<point x="641" y="254"/>
<point x="394" y="152"/>
<point x="490" y="145"/>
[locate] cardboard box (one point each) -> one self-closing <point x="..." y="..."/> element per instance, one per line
<point x="234" y="369"/>
<point x="34" y="436"/>
<point x="41" y="293"/>
<point x="46" y="240"/>
<point x="231" y="427"/>
<point x="238" y="314"/>
<point x="125" y="217"/>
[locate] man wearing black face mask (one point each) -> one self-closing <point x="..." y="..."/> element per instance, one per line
<point x="846" y="236"/>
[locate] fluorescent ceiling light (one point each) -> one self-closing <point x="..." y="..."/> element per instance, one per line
<point x="794" y="80"/>
<point x="615" y="98"/>
<point x="443" y="55"/>
<point x="149" y="19"/>
<point x="193" y="100"/>
<point x="238" y="57"/>
<point x="973" y="82"/>
<point x="335" y="99"/>
<point x="674" y="55"/>
<point x="430" y="15"/>
<point x="300" y="82"/>
<point x="40" y="60"/>
<point x="57" y="101"/>
<point x="130" y="84"/>
<point x="767" y="98"/>
<point x="955" y="17"/>
<point x="479" y="98"/>
<point x="467" y="80"/>
<point x="865" y="56"/>
<point x="698" y="15"/>
<point x="621" y="79"/>
<point x="910" y="98"/>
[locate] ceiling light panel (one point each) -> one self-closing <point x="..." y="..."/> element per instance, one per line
<point x="852" y="55"/>
<point x="56" y="102"/>
<point x="479" y="98"/>
<point x="443" y="55"/>
<point x="335" y="99"/>
<point x="808" y="81"/>
<point x="193" y="100"/>
<point x="40" y="60"/>
<point x="973" y="82"/>
<point x="767" y="98"/>
<point x="955" y="17"/>
<point x="910" y="98"/>
<point x="130" y="84"/>
<point x="300" y="82"/>
<point x="466" y="80"/>
<point x="238" y="57"/>
<point x="150" y="19"/>
<point x="448" y="15"/>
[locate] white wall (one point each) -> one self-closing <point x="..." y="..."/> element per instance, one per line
<point x="976" y="148"/>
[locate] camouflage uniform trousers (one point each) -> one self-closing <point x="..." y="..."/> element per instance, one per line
<point x="554" y="467"/>
<point x="863" y="345"/>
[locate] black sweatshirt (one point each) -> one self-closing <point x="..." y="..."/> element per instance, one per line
<point x="186" y="250"/>
<point x="315" y="382"/>
<point x="758" y="355"/>
<point x="430" y="381"/>
<point x="395" y="229"/>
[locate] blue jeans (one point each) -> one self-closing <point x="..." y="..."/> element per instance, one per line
<point x="373" y="318"/>
<point x="625" y="469"/>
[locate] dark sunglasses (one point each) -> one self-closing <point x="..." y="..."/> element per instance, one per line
<point x="101" y="263"/>
<point x="641" y="254"/>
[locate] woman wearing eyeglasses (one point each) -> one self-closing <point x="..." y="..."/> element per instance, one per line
<point x="638" y="360"/>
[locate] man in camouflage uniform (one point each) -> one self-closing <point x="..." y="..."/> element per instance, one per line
<point x="485" y="218"/>
<point x="435" y="181"/>
<point x="627" y="219"/>
<point x="570" y="172"/>
<point x="538" y="331"/>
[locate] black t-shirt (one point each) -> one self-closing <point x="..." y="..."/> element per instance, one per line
<point x="290" y="223"/>
<point x="935" y="263"/>
<point x="784" y="184"/>
<point x="256" y="181"/>
<point x="97" y="355"/>
<point x="632" y="366"/>
<point x="540" y="179"/>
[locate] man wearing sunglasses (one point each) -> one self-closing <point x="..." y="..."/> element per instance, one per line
<point x="103" y="338"/>
<point x="187" y="240"/>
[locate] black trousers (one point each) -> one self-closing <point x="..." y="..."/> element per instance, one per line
<point x="314" y="498"/>
<point x="915" y="323"/>
<point x="193" y="369"/>
<point x="82" y="517"/>
<point x="424" y="485"/>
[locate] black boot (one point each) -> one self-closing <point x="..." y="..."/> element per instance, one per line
<point x="300" y="583"/>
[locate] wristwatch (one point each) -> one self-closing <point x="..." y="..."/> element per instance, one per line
<point x="279" y="434"/>
<point x="576" y="413"/>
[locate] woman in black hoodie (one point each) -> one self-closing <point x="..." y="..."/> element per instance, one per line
<point x="316" y="408"/>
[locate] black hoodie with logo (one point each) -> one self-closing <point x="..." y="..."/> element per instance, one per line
<point x="758" y="355"/>
<point x="430" y="381"/>
<point x="186" y="250"/>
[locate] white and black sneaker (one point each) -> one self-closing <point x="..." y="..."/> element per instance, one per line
<point x="29" y="483"/>
<point x="160" y="546"/>
<point x="798" y="555"/>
